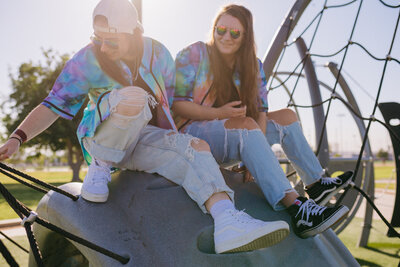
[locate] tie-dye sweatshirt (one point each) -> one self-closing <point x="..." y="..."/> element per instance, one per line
<point x="82" y="77"/>
<point x="193" y="79"/>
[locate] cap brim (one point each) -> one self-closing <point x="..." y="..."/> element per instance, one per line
<point x="114" y="30"/>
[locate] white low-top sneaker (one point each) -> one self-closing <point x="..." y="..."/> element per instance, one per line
<point x="236" y="231"/>
<point x="94" y="186"/>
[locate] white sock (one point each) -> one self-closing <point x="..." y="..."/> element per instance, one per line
<point x="220" y="207"/>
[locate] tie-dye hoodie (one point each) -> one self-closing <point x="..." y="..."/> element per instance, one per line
<point x="193" y="79"/>
<point x="82" y="77"/>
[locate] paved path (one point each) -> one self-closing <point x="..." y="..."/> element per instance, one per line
<point x="384" y="201"/>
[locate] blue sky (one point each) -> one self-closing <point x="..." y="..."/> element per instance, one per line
<point x="65" y="26"/>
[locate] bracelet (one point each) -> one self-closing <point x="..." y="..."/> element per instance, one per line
<point x="14" y="137"/>
<point x="21" y="134"/>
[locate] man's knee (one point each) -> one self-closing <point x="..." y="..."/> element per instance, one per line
<point x="199" y="145"/>
<point x="131" y="102"/>
<point x="196" y="143"/>
<point x="241" y="123"/>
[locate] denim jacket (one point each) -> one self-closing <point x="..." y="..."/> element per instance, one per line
<point x="82" y="77"/>
<point x="193" y="80"/>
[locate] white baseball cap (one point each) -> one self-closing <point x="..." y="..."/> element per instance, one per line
<point x="121" y="15"/>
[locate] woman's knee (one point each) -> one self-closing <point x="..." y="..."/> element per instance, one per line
<point x="128" y="101"/>
<point x="284" y="116"/>
<point x="241" y="123"/>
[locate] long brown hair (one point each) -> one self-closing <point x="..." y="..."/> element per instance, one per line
<point x="110" y="67"/>
<point x="246" y="63"/>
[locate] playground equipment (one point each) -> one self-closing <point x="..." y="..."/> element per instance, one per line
<point x="154" y="223"/>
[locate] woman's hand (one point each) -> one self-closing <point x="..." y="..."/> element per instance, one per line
<point x="229" y="111"/>
<point x="9" y="148"/>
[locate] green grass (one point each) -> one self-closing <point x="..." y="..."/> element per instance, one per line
<point x="381" y="250"/>
<point x="26" y="195"/>
<point x="391" y="186"/>
<point x="384" y="171"/>
<point x="20" y="256"/>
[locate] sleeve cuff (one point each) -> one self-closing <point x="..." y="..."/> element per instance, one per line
<point x="57" y="110"/>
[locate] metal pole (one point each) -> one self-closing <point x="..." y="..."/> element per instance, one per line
<point x="281" y="36"/>
<point x="315" y="94"/>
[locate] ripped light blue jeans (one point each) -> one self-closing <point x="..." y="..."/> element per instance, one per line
<point x="142" y="147"/>
<point x="251" y="147"/>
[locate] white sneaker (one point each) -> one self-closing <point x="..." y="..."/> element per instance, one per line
<point x="236" y="231"/>
<point x="94" y="186"/>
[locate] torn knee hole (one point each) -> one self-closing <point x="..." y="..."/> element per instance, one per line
<point x="170" y="139"/>
<point x="129" y="109"/>
<point x="241" y="123"/>
<point x="128" y="101"/>
<point x="199" y="145"/>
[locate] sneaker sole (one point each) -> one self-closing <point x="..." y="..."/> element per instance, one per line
<point x="335" y="218"/>
<point x="94" y="197"/>
<point x="328" y="197"/>
<point x="259" y="239"/>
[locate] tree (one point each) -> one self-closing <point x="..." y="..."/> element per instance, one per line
<point x="383" y="155"/>
<point x="31" y="85"/>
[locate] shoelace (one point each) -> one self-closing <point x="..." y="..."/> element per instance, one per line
<point x="242" y="216"/>
<point x="310" y="207"/>
<point x="328" y="180"/>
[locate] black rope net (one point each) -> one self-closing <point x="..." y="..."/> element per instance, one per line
<point x="343" y="52"/>
<point x="29" y="217"/>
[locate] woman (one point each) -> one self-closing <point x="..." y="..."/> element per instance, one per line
<point x="221" y="97"/>
<point x="129" y="80"/>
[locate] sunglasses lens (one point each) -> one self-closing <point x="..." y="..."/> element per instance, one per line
<point x="221" y="30"/>
<point x="235" y="33"/>
<point x="96" y="40"/>
<point x="111" y="43"/>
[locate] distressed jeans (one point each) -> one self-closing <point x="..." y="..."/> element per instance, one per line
<point x="251" y="147"/>
<point x="297" y="150"/>
<point x="142" y="147"/>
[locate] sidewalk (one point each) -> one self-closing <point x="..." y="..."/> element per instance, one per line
<point x="11" y="227"/>
<point x="384" y="201"/>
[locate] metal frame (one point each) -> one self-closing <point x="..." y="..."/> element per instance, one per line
<point x="367" y="182"/>
<point x="315" y="95"/>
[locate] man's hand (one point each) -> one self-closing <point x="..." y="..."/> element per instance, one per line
<point x="9" y="148"/>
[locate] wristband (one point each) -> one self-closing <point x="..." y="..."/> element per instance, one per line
<point x="14" y="137"/>
<point x="21" y="134"/>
